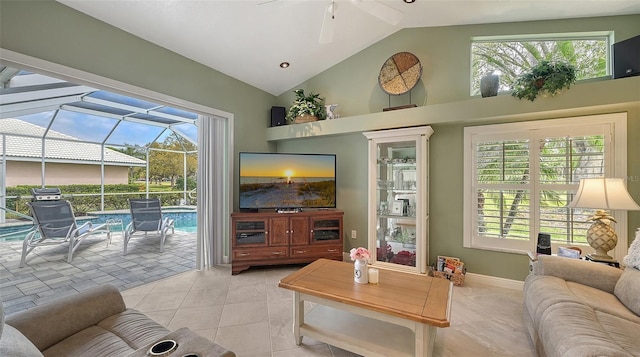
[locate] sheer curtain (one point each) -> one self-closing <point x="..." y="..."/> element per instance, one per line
<point x="214" y="190"/>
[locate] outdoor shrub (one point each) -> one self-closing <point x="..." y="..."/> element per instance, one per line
<point x="86" y="198"/>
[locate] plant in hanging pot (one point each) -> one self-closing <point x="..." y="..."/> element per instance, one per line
<point x="306" y="108"/>
<point x="546" y="77"/>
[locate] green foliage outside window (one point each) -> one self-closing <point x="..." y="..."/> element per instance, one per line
<point x="511" y="58"/>
<point x="505" y="213"/>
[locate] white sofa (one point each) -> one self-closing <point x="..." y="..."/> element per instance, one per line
<point x="577" y="308"/>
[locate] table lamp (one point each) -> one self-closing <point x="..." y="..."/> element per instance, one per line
<point x="603" y="194"/>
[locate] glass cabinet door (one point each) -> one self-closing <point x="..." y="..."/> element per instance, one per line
<point x="252" y="232"/>
<point x="398" y="198"/>
<point x="325" y="230"/>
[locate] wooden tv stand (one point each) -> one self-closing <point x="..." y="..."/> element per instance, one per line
<point x="271" y="238"/>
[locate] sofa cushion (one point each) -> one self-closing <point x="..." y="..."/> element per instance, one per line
<point x="92" y="341"/>
<point x="134" y="327"/>
<point x="14" y="344"/>
<point x="117" y="335"/>
<point x="625" y="333"/>
<point x="543" y="292"/>
<point x="602" y="302"/>
<point x="571" y="329"/>
<point x="628" y="289"/>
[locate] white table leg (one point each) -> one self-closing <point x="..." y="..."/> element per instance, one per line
<point x="425" y="337"/>
<point x="298" y="316"/>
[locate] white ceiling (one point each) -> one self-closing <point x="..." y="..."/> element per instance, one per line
<point x="248" y="39"/>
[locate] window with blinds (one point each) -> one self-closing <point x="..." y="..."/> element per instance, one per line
<point x="520" y="178"/>
<point x="563" y="161"/>
<point x="503" y="188"/>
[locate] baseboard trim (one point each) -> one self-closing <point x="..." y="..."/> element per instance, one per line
<point x="472" y="279"/>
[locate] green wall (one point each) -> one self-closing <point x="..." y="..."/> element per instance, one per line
<point x="445" y="55"/>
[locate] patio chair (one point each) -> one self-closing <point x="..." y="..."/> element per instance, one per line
<point x="146" y="216"/>
<point x="56" y="224"/>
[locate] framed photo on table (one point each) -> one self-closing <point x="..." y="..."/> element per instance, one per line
<point x="397" y="208"/>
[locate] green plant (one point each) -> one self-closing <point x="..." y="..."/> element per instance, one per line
<point x="545" y="77"/>
<point x="310" y="104"/>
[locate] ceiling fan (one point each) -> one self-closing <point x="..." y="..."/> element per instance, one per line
<point x="376" y="8"/>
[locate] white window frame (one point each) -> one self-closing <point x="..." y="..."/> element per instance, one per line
<point x="577" y="36"/>
<point x="614" y="129"/>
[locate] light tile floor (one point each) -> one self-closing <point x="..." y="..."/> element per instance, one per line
<point x="246" y="313"/>
<point x="250" y="315"/>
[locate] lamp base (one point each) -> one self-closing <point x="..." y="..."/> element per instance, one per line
<point x="602" y="238"/>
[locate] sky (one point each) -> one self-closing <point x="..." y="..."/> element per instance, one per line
<point x="287" y="165"/>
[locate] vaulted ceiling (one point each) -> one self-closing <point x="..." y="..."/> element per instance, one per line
<point x="248" y="39"/>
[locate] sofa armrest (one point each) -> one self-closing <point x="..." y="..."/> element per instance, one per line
<point x="596" y="275"/>
<point x="50" y="323"/>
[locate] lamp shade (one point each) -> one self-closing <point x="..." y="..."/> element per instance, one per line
<point x="604" y="193"/>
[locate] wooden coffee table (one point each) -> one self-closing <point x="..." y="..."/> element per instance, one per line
<point x="397" y="317"/>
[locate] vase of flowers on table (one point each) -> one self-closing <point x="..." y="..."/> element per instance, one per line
<point x="360" y="256"/>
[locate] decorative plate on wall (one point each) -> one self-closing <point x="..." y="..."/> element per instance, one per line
<point x="400" y="73"/>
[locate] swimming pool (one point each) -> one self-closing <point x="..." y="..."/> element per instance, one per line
<point x="184" y="220"/>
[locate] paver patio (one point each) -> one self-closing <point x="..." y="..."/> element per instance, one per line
<point x="47" y="273"/>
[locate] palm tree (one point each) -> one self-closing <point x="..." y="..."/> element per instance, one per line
<point x="511" y="58"/>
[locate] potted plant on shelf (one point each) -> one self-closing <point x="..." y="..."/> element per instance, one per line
<point x="546" y="77"/>
<point x="306" y="108"/>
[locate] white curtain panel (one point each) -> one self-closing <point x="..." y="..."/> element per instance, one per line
<point x="214" y="165"/>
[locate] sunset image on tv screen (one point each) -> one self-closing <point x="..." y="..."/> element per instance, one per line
<point x="287" y="180"/>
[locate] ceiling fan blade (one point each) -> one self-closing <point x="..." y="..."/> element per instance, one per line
<point x="328" y="25"/>
<point x="380" y="10"/>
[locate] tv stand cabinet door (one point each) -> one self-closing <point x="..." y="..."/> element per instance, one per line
<point x="250" y="232"/>
<point x="279" y="231"/>
<point x="300" y="234"/>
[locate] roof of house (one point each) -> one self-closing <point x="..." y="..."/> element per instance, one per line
<point x="24" y="143"/>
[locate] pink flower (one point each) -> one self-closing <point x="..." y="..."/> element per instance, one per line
<point x="359" y="253"/>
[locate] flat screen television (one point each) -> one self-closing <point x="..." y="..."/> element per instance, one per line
<point x="287" y="181"/>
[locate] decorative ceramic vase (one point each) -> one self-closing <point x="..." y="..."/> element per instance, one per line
<point x="360" y="271"/>
<point x="603" y="238"/>
<point x="489" y="85"/>
<point x="331" y="111"/>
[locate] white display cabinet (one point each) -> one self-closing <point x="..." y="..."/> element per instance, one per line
<point x="399" y="198"/>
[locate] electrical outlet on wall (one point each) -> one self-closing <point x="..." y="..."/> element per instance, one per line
<point x="354" y="234"/>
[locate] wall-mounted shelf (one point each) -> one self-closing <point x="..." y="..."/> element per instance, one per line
<point x="609" y="96"/>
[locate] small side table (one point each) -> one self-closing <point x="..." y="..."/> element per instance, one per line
<point x="613" y="263"/>
<point x="533" y="256"/>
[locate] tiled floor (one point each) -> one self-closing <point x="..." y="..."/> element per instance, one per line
<point x="250" y="315"/>
<point x="47" y="273"/>
<point x="246" y="313"/>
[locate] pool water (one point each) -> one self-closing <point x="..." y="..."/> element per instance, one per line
<point x="184" y="220"/>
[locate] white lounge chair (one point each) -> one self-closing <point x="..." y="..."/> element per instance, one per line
<point x="146" y="216"/>
<point x="56" y="224"/>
